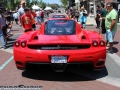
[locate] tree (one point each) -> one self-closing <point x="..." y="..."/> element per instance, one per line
<point x="43" y="5"/>
<point x="64" y="2"/>
<point x="28" y="3"/>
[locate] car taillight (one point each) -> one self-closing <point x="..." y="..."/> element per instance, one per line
<point x="102" y="43"/>
<point x="17" y="43"/>
<point x="23" y="43"/>
<point x="95" y="44"/>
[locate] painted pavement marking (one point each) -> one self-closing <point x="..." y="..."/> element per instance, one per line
<point x="10" y="59"/>
<point x="5" y="64"/>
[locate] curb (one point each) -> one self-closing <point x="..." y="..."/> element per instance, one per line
<point x="89" y="24"/>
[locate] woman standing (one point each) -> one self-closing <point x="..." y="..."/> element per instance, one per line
<point x="83" y="17"/>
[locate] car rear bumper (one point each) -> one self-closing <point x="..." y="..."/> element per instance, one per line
<point x="96" y="57"/>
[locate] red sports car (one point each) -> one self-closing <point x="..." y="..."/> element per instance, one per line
<point x="59" y="43"/>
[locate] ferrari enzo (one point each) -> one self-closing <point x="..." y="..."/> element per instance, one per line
<point x="60" y="43"/>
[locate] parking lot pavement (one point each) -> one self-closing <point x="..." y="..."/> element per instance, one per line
<point x="4" y="56"/>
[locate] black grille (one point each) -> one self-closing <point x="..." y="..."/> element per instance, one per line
<point x="59" y="47"/>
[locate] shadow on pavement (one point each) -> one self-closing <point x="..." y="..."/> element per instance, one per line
<point x="115" y="50"/>
<point x="115" y="42"/>
<point x="74" y="74"/>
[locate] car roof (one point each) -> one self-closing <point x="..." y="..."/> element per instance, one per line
<point x="60" y="19"/>
<point x="57" y="16"/>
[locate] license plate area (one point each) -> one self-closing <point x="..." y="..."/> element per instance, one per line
<point x="58" y="59"/>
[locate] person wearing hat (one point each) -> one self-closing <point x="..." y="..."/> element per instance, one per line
<point x="21" y="11"/>
<point x="26" y="20"/>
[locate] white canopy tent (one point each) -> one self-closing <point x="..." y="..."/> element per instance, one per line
<point x="36" y="7"/>
<point x="48" y="8"/>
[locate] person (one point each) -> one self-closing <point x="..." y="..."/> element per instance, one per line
<point x="26" y="20"/>
<point x="42" y="15"/>
<point x="83" y="16"/>
<point x="97" y="18"/>
<point x="38" y="18"/>
<point x="21" y="11"/>
<point x="33" y="15"/>
<point x="8" y="18"/>
<point x="48" y="13"/>
<point x="103" y="13"/>
<point x="2" y="24"/>
<point x="77" y="15"/>
<point x="110" y="25"/>
<point x="15" y="16"/>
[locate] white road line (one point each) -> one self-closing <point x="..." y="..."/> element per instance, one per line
<point x="5" y="64"/>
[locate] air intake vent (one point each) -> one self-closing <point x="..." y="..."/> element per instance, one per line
<point x="36" y="38"/>
<point x="83" y="37"/>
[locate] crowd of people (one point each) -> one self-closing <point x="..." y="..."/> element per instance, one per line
<point x="27" y="18"/>
<point x="106" y="20"/>
<point x="78" y="15"/>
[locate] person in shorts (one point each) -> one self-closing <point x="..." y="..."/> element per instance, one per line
<point x="110" y="25"/>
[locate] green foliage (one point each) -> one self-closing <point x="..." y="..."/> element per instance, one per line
<point x="43" y="5"/>
<point x="28" y="3"/>
<point x="12" y="4"/>
<point x="64" y="2"/>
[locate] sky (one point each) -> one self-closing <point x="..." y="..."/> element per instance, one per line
<point x="52" y="1"/>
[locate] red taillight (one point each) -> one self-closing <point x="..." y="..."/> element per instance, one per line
<point x="95" y="43"/>
<point x="17" y="43"/>
<point x="102" y="43"/>
<point x="23" y="43"/>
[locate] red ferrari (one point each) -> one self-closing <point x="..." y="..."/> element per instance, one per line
<point x="59" y="43"/>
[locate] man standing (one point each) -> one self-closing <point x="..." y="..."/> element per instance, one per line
<point x="21" y="11"/>
<point x="110" y="25"/>
<point x="15" y="16"/>
<point x="97" y="18"/>
<point x="103" y="13"/>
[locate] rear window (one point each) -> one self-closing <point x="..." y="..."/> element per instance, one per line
<point x="59" y="16"/>
<point x="60" y="27"/>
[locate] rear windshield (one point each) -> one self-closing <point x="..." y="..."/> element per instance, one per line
<point x="60" y="27"/>
<point x="59" y="16"/>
